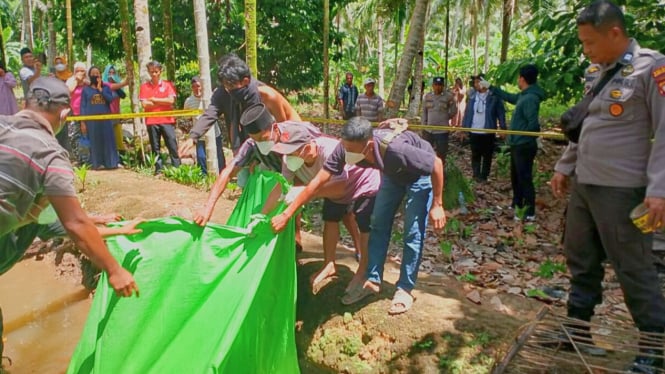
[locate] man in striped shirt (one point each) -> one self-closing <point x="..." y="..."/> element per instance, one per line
<point x="369" y="104"/>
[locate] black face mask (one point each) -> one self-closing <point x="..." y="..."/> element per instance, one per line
<point x="94" y="80"/>
<point x="247" y="95"/>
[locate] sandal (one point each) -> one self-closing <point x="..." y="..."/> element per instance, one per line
<point x="402" y="302"/>
<point x="356" y="294"/>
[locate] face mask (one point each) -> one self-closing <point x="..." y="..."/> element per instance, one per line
<point x="94" y="80"/>
<point x="265" y="147"/>
<point x="352" y="158"/>
<point x="294" y="163"/>
<point x="60" y="67"/>
<point x="240" y="94"/>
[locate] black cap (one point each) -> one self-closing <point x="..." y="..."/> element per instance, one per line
<point x="50" y="90"/>
<point x="256" y="118"/>
<point x="293" y="137"/>
<point x="437" y="80"/>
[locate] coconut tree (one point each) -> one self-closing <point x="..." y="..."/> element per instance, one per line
<point x="416" y="27"/>
<point x="250" y="36"/>
<point x="143" y="42"/>
<point x="326" y="62"/>
<point x="70" y="34"/>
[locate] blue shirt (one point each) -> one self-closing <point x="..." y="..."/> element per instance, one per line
<point x="349" y="95"/>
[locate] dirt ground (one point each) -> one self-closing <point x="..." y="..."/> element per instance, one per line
<point x="444" y="332"/>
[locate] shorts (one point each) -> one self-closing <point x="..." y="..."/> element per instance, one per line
<point x="362" y="208"/>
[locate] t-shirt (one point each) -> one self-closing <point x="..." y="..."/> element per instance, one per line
<point x="163" y="89"/>
<point x="370" y="107"/>
<point x="349" y="95"/>
<point x="407" y="158"/>
<point x="32" y="165"/>
<point x="75" y="94"/>
<point x="25" y="73"/>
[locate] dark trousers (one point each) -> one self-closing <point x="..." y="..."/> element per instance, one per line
<point x="439" y="142"/>
<point x="155" y="132"/>
<point x="202" y="160"/>
<point x="598" y="227"/>
<point x="482" y="149"/>
<point x="63" y="138"/>
<point x="521" y="176"/>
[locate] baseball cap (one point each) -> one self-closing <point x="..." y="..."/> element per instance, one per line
<point x="293" y="137"/>
<point x="369" y="81"/>
<point x="437" y="80"/>
<point x="256" y="118"/>
<point x="51" y="89"/>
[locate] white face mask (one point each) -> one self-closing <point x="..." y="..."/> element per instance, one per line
<point x="352" y="158"/>
<point x="266" y="146"/>
<point x="60" y="67"/>
<point x="294" y="163"/>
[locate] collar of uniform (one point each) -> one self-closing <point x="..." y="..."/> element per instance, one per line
<point x="627" y="56"/>
<point x="29" y="114"/>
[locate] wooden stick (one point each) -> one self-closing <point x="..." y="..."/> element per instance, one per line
<point x="524" y="336"/>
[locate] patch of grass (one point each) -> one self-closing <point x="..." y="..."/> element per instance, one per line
<point x="81" y="173"/>
<point x="446" y="248"/>
<point x="468" y="278"/>
<point x="424" y="345"/>
<point x="530" y="228"/>
<point x="548" y="268"/>
<point x="502" y="169"/>
<point x="481" y="339"/>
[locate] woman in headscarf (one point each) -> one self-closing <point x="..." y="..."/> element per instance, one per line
<point x="96" y="99"/>
<point x="62" y="71"/>
<point x="110" y="77"/>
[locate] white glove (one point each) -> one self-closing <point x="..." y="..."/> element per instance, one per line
<point x="483" y="83"/>
<point x="293" y="193"/>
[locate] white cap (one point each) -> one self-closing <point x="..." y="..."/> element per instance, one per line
<point x="369" y="81"/>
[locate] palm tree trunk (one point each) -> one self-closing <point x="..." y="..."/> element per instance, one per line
<point x="203" y="52"/>
<point x="128" y="48"/>
<point x="250" y="36"/>
<point x="382" y="73"/>
<point x="416" y="27"/>
<point x="507" y="19"/>
<point x="51" y="33"/>
<point x="26" y="37"/>
<point x="70" y="34"/>
<point x="488" y="17"/>
<point x="168" y="40"/>
<point x="3" y="54"/>
<point x="143" y="46"/>
<point x="326" y="62"/>
<point x="416" y="92"/>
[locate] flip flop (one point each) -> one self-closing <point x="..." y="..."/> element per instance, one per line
<point x="402" y="302"/>
<point x="356" y="294"/>
<point x="318" y="286"/>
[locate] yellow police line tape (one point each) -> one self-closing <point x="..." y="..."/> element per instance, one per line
<point x="546" y="134"/>
<point x="170" y="113"/>
<point x="196" y="112"/>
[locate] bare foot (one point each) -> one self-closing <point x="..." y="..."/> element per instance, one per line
<point x="327" y="272"/>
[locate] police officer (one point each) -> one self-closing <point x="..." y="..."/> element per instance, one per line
<point x="615" y="166"/>
<point x="438" y="108"/>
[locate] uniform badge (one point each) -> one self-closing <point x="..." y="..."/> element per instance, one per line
<point x="592" y="69"/>
<point x="616" y="110"/>
<point x="658" y="75"/>
<point x="616" y="94"/>
<point x="627" y="70"/>
<point x="627" y="57"/>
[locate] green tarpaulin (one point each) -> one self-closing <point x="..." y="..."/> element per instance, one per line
<point x="213" y="300"/>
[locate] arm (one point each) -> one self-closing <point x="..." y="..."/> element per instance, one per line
<point x="505" y="96"/>
<point x="107" y="93"/>
<point x="128" y="229"/>
<point x="10" y="81"/>
<point x="218" y="188"/>
<point x="87" y="238"/>
<point x="531" y="107"/>
<point x="437" y="214"/>
<point x="117" y="86"/>
<point x="164" y="100"/>
<point x="279" y="222"/>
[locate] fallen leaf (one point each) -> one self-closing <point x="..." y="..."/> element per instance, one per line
<point x="474" y="296"/>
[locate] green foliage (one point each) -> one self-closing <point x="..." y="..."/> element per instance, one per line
<point x="81" y="173"/>
<point x="536" y="293"/>
<point x="454" y="183"/>
<point x="502" y="168"/>
<point x="548" y="268"/>
<point x="189" y="175"/>
<point x="468" y="278"/>
<point x="183" y="82"/>
<point x="446" y="248"/>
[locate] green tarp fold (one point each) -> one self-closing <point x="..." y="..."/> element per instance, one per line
<point x="219" y="299"/>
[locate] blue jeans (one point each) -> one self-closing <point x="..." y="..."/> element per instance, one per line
<point x="202" y="160"/>
<point x="418" y="203"/>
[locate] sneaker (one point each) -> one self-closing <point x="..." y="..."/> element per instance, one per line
<point x="530" y="218"/>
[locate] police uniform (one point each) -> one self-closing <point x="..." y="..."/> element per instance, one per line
<point x="615" y="165"/>
<point x="438" y="110"/>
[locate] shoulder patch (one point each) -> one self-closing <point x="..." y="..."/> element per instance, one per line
<point x="592" y="69"/>
<point x="658" y="75"/>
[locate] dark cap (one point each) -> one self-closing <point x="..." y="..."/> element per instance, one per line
<point x="196" y="79"/>
<point x="293" y="137"/>
<point x="437" y="80"/>
<point x="256" y="118"/>
<point x="49" y="90"/>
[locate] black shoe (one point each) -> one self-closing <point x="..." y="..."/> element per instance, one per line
<point x="646" y="363"/>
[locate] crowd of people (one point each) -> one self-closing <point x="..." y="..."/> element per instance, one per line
<point x="368" y="173"/>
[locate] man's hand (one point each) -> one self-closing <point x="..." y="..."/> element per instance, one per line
<point x="123" y="282"/>
<point x="185" y="148"/>
<point x="202" y="217"/>
<point x="559" y="184"/>
<point x="130" y="227"/>
<point x="437" y="216"/>
<point x="656" y="206"/>
<point x="279" y="222"/>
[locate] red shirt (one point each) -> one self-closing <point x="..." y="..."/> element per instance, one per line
<point x="162" y="90"/>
